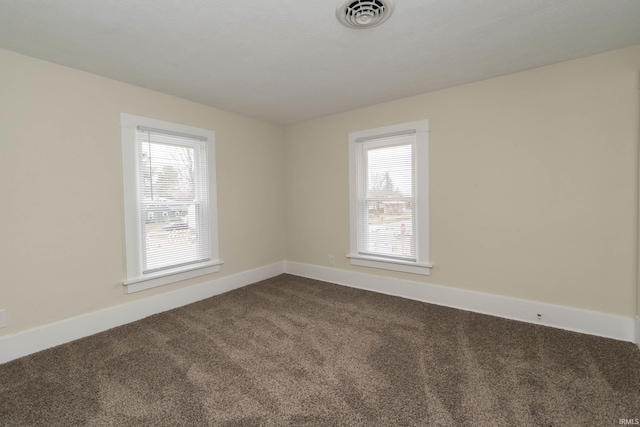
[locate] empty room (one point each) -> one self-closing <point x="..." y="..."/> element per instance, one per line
<point x="327" y="213"/>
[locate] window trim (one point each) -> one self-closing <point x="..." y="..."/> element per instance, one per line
<point x="135" y="280"/>
<point x="421" y="265"/>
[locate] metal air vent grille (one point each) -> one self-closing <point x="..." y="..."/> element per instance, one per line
<point x="364" y="13"/>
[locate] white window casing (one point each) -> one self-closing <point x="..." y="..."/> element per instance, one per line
<point x="170" y="202"/>
<point x="389" y="198"/>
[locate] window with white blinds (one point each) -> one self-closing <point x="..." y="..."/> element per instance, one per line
<point x="386" y="197"/>
<point x="173" y="190"/>
<point x="169" y="186"/>
<point x="389" y="198"/>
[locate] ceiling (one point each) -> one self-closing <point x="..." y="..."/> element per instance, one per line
<point x="285" y="61"/>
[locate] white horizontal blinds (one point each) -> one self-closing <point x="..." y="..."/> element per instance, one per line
<point x="173" y="199"/>
<point x="386" y="197"/>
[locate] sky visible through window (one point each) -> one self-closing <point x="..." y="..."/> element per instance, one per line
<point x="168" y="172"/>
<point x="169" y="219"/>
<point x="393" y="163"/>
<point x="389" y="214"/>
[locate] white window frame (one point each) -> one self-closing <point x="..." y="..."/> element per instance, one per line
<point x="135" y="279"/>
<point x="422" y="264"/>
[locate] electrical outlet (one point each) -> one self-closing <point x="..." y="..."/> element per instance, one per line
<point x="3" y="318"/>
<point x="331" y="260"/>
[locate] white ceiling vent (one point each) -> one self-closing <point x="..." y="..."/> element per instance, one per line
<point x="364" y="13"/>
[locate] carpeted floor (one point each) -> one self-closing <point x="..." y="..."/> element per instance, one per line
<point x="294" y="351"/>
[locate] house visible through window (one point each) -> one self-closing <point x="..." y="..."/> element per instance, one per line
<point x="389" y="197"/>
<point x="170" y="198"/>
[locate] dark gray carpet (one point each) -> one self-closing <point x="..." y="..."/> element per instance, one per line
<point x="294" y="351"/>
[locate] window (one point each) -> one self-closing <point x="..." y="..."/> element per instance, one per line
<point x="169" y="202"/>
<point x="389" y="198"/>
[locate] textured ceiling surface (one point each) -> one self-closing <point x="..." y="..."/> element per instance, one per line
<point x="290" y="60"/>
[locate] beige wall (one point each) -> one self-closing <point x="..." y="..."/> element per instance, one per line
<point x="533" y="183"/>
<point x="533" y="186"/>
<point x="61" y="225"/>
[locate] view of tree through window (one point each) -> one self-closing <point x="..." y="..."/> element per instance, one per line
<point x="171" y="174"/>
<point x="389" y="199"/>
<point x="170" y="207"/>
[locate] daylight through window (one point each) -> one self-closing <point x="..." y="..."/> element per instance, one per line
<point x="389" y="198"/>
<point x="170" y="202"/>
<point x="385" y="197"/>
<point x="173" y="189"/>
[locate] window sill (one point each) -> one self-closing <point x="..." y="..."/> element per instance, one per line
<point x="388" y="264"/>
<point x="170" y="276"/>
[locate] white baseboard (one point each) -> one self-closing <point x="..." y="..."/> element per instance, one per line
<point x="589" y="322"/>
<point x="51" y="335"/>
<point x="573" y="319"/>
